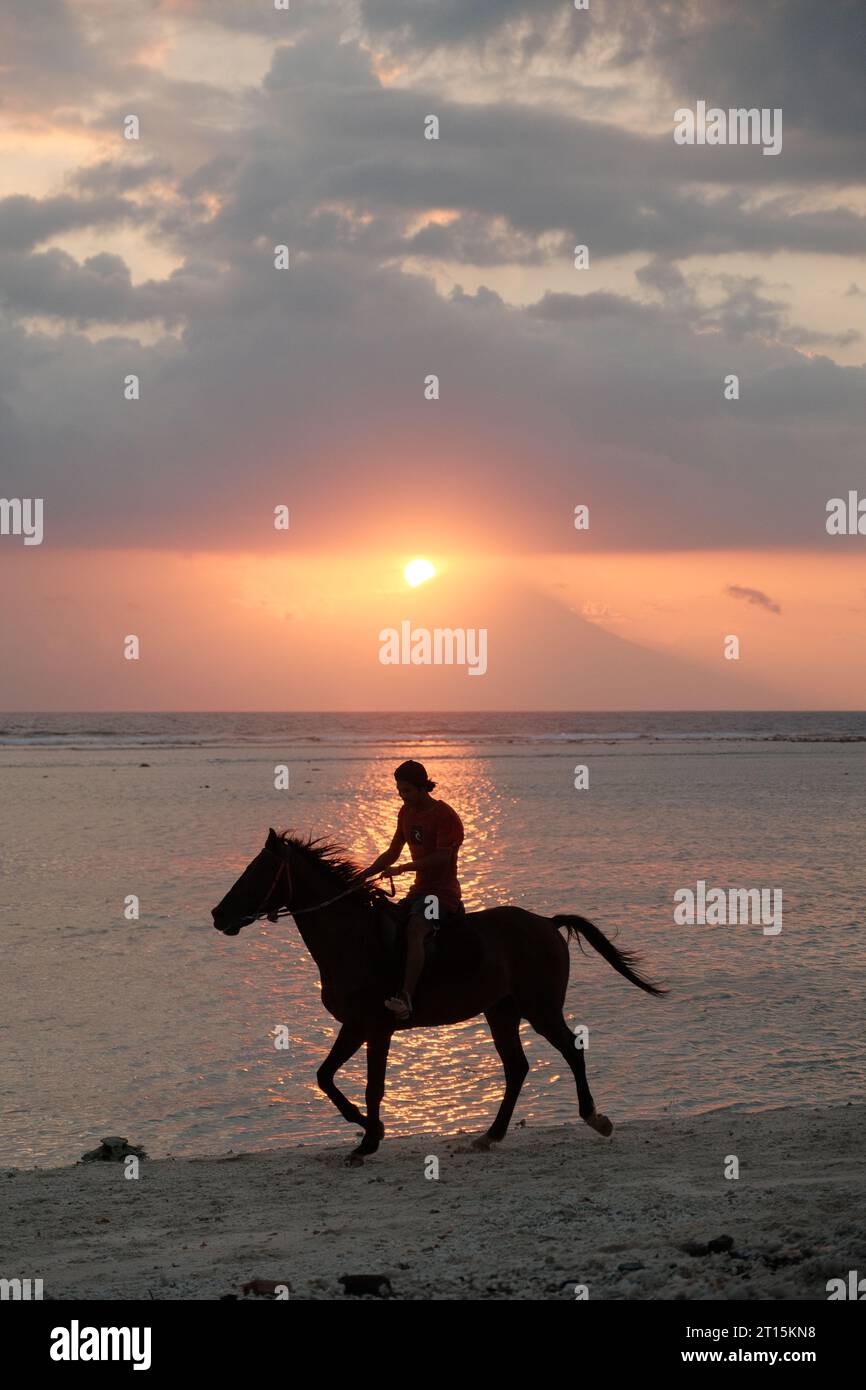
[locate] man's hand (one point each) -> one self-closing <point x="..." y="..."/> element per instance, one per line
<point x="384" y="871"/>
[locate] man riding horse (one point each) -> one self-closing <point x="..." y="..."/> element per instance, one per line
<point x="434" y="833"/>
<point x="505" y="962"/>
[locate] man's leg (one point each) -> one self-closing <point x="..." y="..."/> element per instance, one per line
<point x="417" y="930"/>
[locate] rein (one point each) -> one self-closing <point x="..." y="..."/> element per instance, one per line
<point x="317" y="907"/>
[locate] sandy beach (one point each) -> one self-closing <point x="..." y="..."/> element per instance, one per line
<point x="551" y="1207"/>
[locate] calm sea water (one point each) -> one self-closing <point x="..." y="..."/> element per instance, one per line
<point x="440" y="730"/>
<point x="161" y="1030"/>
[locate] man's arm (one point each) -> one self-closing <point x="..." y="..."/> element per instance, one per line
<point x="438" y="858"/>
<point x="391" y="855"/>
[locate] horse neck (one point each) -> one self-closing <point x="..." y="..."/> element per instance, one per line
<point x="327" y="933"/>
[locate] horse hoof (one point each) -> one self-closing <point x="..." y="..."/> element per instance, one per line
<point x="481" y="1144"/>
<point x="354" y="1161"/>
<point x="600" y="1123"/>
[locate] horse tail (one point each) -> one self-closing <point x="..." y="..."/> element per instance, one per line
<point x="626" y="962"/>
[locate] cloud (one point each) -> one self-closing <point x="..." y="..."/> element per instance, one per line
<point x="260" y="386"/>
<point x="306" y="387"/>
<point x="598" y="305"/>
<point x="791" y="53"/>
<point x="51" y="55"/>
<point x="754" y="596"/>
<point x="25" y="222"/>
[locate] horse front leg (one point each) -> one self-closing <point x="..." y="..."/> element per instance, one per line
<point x="378" y="1046"/>
<point x="349" y="1039"/>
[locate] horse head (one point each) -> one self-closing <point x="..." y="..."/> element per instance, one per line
<point x="257" y="892"/>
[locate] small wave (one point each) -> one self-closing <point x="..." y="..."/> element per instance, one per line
<point x="536" y="731"/>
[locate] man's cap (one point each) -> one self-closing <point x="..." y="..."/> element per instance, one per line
<point x="415" y="773"/>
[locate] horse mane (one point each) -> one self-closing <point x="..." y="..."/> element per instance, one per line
<point x="330" y="856"/>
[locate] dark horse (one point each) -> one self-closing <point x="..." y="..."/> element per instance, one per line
<point x="506" y="963"/>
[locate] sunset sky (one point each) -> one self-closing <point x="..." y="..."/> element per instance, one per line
<point x="409" y="257"/>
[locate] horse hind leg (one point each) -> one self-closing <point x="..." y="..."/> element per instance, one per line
<point x="504" y="1022"/>
<point x="560" y="1036"/>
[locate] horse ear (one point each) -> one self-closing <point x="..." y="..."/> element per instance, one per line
<point x="272" y="834"/>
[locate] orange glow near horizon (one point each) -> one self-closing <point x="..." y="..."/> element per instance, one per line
<point x="251" y="631"/>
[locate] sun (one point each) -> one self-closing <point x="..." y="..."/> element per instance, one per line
<point x="418" y="571"/>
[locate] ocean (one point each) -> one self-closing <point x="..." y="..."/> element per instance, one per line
<point x="162" y="1030"/>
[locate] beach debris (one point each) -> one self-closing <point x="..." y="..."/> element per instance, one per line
<point x="113" y="1149"/>
<point x="571" y="1286"/>
<point x="783" y="1258"/>
<point x="361" y="1285"/>
<point x="265" y="1288"/>
<point x="719" y="1245"/>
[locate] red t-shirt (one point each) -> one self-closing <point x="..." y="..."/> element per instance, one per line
<point x="426" y="831"/>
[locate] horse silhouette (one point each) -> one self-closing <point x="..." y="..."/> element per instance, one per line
<point x="504" y="962"/>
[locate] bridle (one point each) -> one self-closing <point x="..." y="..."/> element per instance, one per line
<point x="290" y="887"/>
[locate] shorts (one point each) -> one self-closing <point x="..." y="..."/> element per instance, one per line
<point x="409" y="908"/>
